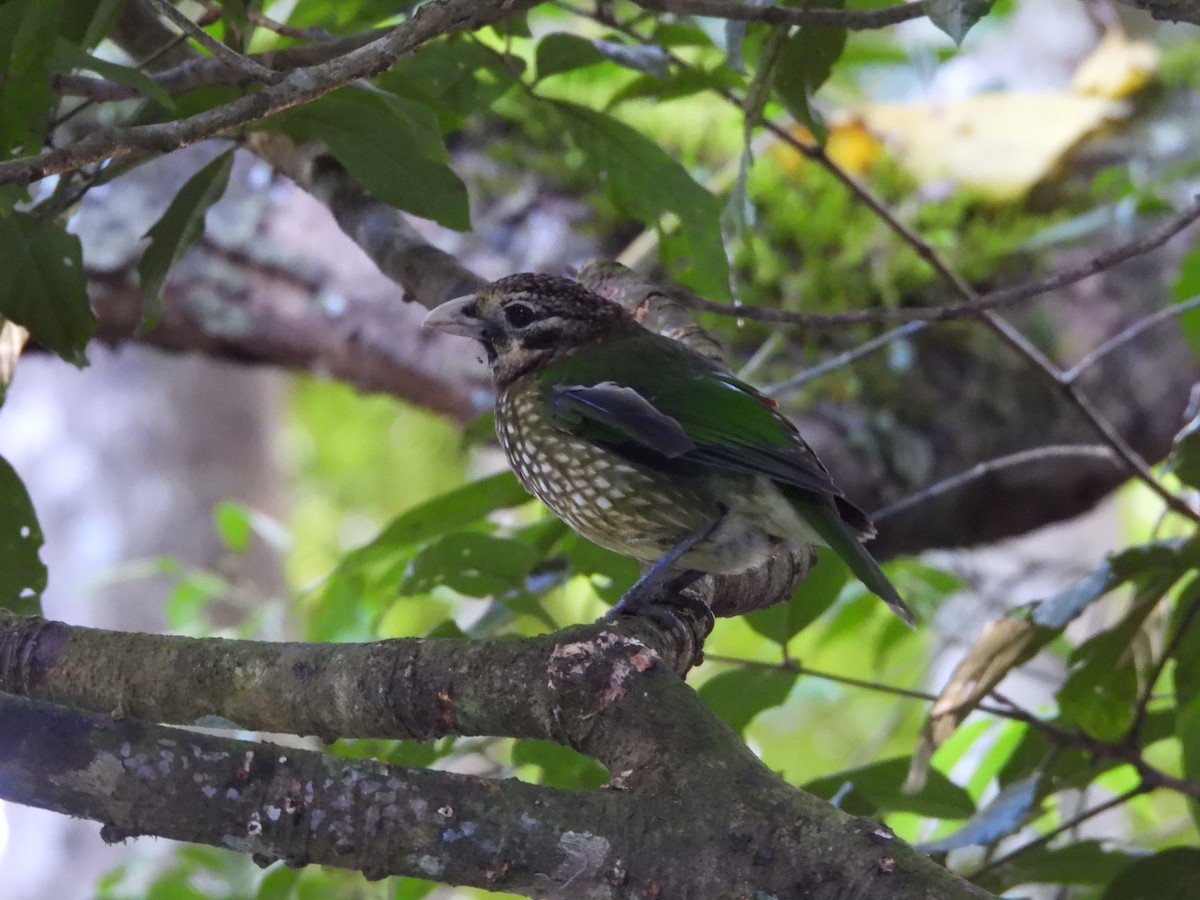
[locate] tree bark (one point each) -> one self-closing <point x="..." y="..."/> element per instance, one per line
<point x="690" y="812"/>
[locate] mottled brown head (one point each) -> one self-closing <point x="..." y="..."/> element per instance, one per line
<point x="526" y="321"/>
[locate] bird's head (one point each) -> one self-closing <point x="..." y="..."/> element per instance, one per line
<point x="526" y="321"/>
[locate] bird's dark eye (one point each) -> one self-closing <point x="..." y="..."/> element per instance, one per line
<point x="518" y="315"/>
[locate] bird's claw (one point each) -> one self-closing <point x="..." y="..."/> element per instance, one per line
<point x="684" y="615"/>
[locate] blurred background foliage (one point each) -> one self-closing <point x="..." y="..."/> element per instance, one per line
<point x="400" y="523"/>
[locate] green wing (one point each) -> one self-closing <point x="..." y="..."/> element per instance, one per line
<point x="649" y="396"/>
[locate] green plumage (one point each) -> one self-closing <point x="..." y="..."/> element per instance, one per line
<point x="639" y="443"/>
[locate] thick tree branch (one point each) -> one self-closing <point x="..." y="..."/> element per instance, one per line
<point x="428" y="275"/>
<point x="605" y="691"/>
<point x="1168" y="10"/>
<point x="434" y="19"/>
<point x="404" y="688"/>
<point x="853" y="19"/>
<point x="282" y="803"/>
<point x="238" y="310"/>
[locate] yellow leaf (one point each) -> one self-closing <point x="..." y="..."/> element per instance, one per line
<point x="1000" y="143"/>
<point x="853" y="147"/>
<point x="1116" y="68"/>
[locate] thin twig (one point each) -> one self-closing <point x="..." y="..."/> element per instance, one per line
<point x="852" y="19"/>
<point x="790" y="665"/>
<point x="67" y="84"/>
<point x="266" y="22"/>
<point x="983" y="469"/>
<point x="1152" y="777"/>
<point x="1133" y="460"/>
<point x="226" y="54"/>
<point x="204" y="71"/>
<point x="1115" y="342"/>
<point x="993" y="300"/>
<point x="1069" y="825"/>
<point x="846" y="358"/>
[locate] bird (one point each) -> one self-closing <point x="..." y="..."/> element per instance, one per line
<point x="646" y="447"/>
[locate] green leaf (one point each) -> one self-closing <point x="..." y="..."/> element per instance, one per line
<point x="1100" y="694"/>
<point x="561" y="52"/>
<point x="881" y="784"/>
<point x="646" y="183"/>
<point x="234" y="13"/>
<point x="1184" y="641"/>
<point x="1184" y="460"/>
<point x="804" y="64"/>
<point x="1083" y="863"/>
<point x="28" y="30"/>
<point x="679" y="83"/>
<point x="364" y="582"/>
<point x="561" y="766"/>
<point x="956" y="17"/>
<point x="740" y="694"/>
<point x="87" y="22"/>
<point x="513" y="26"/>
<point x="814" y="595"/>
<point x="178" y="228"/>
<point x="232" y="521"/>
<point x="457" y="77"/>
<point x="22" y="573"/>
<point x="1187" y="727"/>
<point x="43" y="286"/>
<point x="278" y="884"/>
<point x="1157" y="559"/>
<point x="475" y="564"/>
<point x="1000" y="818"/>
<point x="68" y="56"/>
<point x="1173" y="873"/>
<point x="410" y="888"/>
<point x="616" y="573"/>
<point x="449" y="512"/>
<point x="1185" y="287"/>
<point x="391" y="145"/>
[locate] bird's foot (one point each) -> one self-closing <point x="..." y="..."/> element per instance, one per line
<point x="682" y="614"/>
<point x="645" y="596"/>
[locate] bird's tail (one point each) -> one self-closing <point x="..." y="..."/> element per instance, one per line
<point x="823" y="518"/>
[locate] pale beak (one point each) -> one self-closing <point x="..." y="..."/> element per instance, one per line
<point x="458" y="316"/>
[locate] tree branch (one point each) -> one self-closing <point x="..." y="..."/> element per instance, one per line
<point x="264" y="316"/>
<point x="434" y="19"/>
<point x="1154" y="238"/>
<point x="605" y="691"/>
<point x="248" y="68"/>
<point x="1167" y="10"/>
<point x="282" y="803"/>
<point x="852" y="19"/>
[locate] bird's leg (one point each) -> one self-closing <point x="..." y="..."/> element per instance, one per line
<point x="656" y="577"/>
